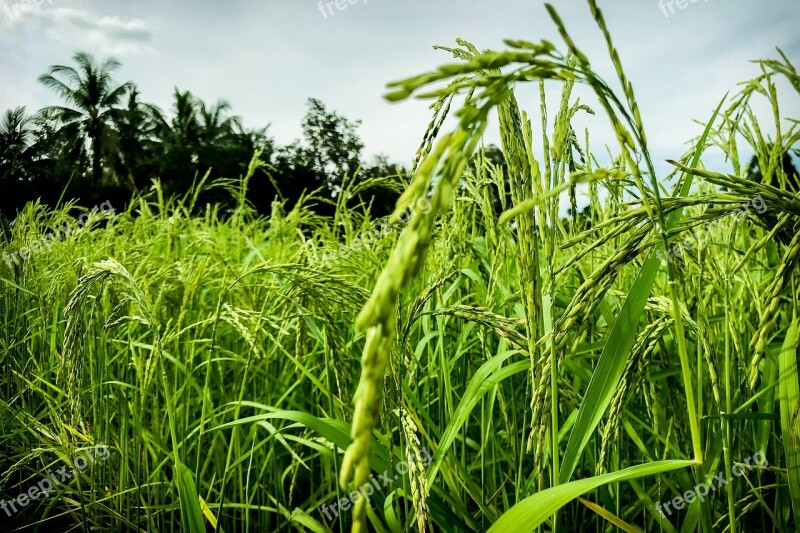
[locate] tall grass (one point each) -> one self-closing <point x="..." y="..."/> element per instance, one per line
<point x="537" y="358"/>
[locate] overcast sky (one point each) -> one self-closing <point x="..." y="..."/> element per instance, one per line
<point x="266" y="57"/>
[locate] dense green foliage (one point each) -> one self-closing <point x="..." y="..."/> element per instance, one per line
<point x="528" y="370"/>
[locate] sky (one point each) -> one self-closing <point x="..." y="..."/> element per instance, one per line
<point x="268" y="57"/>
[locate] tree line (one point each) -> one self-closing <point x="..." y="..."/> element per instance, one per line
<point x="103" y="142"/>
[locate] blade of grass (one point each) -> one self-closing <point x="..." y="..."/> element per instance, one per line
<point x="789" y="394"/>
<point x="191" y="514"/>
<point x="610" y="517"/>
<point x="531" y="512"/>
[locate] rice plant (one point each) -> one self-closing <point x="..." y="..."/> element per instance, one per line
<point x="480" y="360"/>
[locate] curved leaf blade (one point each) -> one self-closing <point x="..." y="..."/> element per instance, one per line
<point x="531" y="512"/>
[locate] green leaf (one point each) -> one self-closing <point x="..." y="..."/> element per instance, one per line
<point x="335" y="431"/>
<point x="610" y="367"/>
<point x="487" y="376"/>
<point x="531" y="512"/>
<point x="789" y="395"/>
<point x="302" y="518"/>
<point x="191" y="513"/>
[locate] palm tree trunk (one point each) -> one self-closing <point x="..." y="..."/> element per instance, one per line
<point x="96" y="167"/>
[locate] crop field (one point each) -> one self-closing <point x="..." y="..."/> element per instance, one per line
<point x="488" y="358"/>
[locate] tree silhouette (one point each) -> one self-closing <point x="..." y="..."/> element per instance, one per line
<point x="179" y="139"/>
<point x="16" y="138"/>
<point x="92" y="99"/>
<point x="136" y="126"/>
<point x="785" y="176"/>
<point x="16" y="156"/>
<point x="333" y="146"/>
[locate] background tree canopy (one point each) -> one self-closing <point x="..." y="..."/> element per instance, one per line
<point x="102" y="142"/>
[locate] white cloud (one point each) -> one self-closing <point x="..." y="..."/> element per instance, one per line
<point x="79" y="28"/>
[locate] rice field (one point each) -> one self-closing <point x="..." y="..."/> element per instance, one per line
<point x="489" y="358"/>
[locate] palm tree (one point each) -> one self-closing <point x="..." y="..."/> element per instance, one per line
<point x="92" y="101"/>
<point x="215" y="126"/>
<point x="24" y="165"/>
<point x="16" y="137"/>
<point x="136" y="126"/>
<point x="221" y="139"/>
<point x="180" y="135"/>
<point x="198" y="137"/>
<point x="179" y="138"/>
